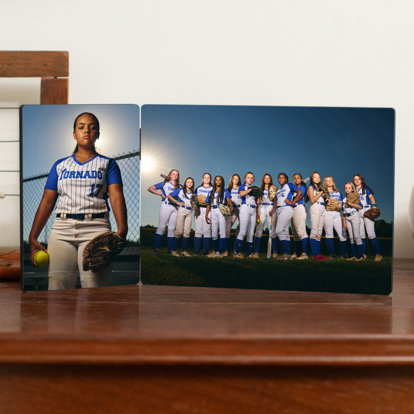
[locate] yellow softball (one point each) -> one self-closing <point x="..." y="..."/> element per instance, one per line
<point x="41" y="258"/>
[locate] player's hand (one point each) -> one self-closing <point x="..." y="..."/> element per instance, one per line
<point x="34" y="247"/>
<point x="180" y="203"/>
<point x="121" y="234"/>
<point x="162" y="196"/>
<point x="288" y="202"/>
<point x="232" y="210"/>
<point x="271" y="213"/>
<point x="345" y="226"/>
<point x="207" y="220"/>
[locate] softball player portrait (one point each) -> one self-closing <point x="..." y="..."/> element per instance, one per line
<point x="298" y="223"/>
<point x="182" y="197"/>
<point x="168" y="211"/>
<point x="317" y="215"/>
<point x="264" y="207"/>
<point x="202" y="233"/>
<point x="333" y="219"/>
<point x="367" y="200"/>
<point x="219" y="195"/>
<point x="247" y="217"/>
<point x="233" y="189"/>
<point x="81" y="184"/>
<point x="352" y="223"/>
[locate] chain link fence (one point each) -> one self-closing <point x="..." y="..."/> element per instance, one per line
<point x="129" y="165"/>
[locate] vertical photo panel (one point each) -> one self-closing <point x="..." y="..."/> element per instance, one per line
<point x="81" y="193"/>
<point x="291" y="198"/>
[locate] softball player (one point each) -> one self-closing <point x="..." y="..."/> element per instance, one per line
<point x="299" y="218"/>
<point x="284" y="211"/>
<point x="247" y="217"/>
<point x="84" y="181"/>
<point x="182" y="197"/>
<point x="264" y="207"/>
<point x="366" y="197"/>
<point x="236" y="199"/>
<point x="168" y="211"/>
<point x="352" y="223"/>
<point x="202" y="228"/>
<point x="218" y="195"/>
<point x="317" y="215"/>
<point x="333" y="220"/>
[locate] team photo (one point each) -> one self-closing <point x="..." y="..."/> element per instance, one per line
<point x="269" y="192"/>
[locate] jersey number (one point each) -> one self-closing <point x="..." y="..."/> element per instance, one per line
<point x="95" y="191"/>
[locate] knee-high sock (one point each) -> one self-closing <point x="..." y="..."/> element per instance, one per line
<point x="197" y="244"/>
<point x="305" y="245"/>
<point x="314" y="247"/>
<point x="330" y="245"/>
<point x="274" y="245"/>
<point x="238" y="246"/>
<point x="157" y="242"/>
<point x="298" y="248"/>
<point x="206" y="244"/>
<point x="170" y="244"/>
<point x="360" y="250"/>
<point x="285" y="246"/>
<point x="185" y="243"/>
<point x="175" y="243"/>
<point x="319" y="247"/>
<point x="344" y="251"/>
<point x="376" y="246"/>
<point x="222" y="245"/>
<point x="249" y="248"/>
<point x="257" y="244"/>
<point x="215" y="245"/>
<point x="227" y="244"/>
<point x="353" y="250"/>
<point x="364" y="246"/>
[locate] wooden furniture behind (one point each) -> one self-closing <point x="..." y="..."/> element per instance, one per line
<point x="165" y="349"/>
<point x="51" y="67"/>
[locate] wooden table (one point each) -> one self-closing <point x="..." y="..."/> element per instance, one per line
<point x="163" y="349"/>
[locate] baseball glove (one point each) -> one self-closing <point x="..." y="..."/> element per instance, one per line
<point x="225" y="210"/>
<point x="352" y="198"/>
<point x="333" y="205"/>
<point x="201" y="199"/>
<point x="272" y="192"/>
<point x="372" y="213"/>
<point x="101" y="251"/>
<point x="194" y="202"/>
<point x="256" y="192"/>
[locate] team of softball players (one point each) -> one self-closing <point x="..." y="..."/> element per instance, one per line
<point x="250" y="214"/>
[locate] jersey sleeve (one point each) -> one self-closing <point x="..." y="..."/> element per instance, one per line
<point x="369" y="192"/>
<point x="243" y="187"/>
<point x="292" y="187"/>
<point x="159" y="186"/>
<point x="227" y="194"/>
<point x="175" y="193"/>
<point x="52" y="179"/>
<point x="113" y="173"/>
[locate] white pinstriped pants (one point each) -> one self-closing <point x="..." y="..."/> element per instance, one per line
<point x="317" y="219"/>
<point x="67" y="241"/>
<point x="333" y="220"/>
<point x="298" y="223"/>
<point x="264" y="211"/>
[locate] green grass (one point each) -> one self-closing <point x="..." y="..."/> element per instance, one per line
<point x="335" y="275"/>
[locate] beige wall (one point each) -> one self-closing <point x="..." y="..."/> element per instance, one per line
<point x="296" y="52"/>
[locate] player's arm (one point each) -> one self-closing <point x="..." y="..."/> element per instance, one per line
<point x="244" y="193"/>
<point x="357" y="206"/>
<point x="42" y="215"/>
<point x="208" y="211"/>
<point x="230" y="204"/>
<point x="153" y="190"/>
<point x="296" y="199"/>
<point x="313" y="198"/>
<point x="344" y="222"/>
<point x="173" y="200"/>
<point x="372" y="199"/>
<point x="116" y="197"/>
<point x="271" y="212"/>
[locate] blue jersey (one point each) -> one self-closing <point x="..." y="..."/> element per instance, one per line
<point x="83" y="187"/>
<point x="180" y="196"/>
<point x="215" y="199"/>
<point x="166" y="188"/>
<point x="248" y="199"/>
<point x="295" y="189"/>
<point x="285" y="193"/>
<point x="363" y="198"/>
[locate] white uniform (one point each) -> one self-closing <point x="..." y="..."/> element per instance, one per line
<point x="218" y="221"/>
<point x="184" y="216"/>
<point x="202" y="228"/>
<point x="333" y="220"/>
<point x="265" y="207"/>
<point x="230" y="220"/>
<point x="317" y="218"/>
<point x="366" y="223"/>
<point x="284" y="215"/>
<point x="82" y="212"/>
<point x="299" y="215"/>
<point x="353" y="222"/>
